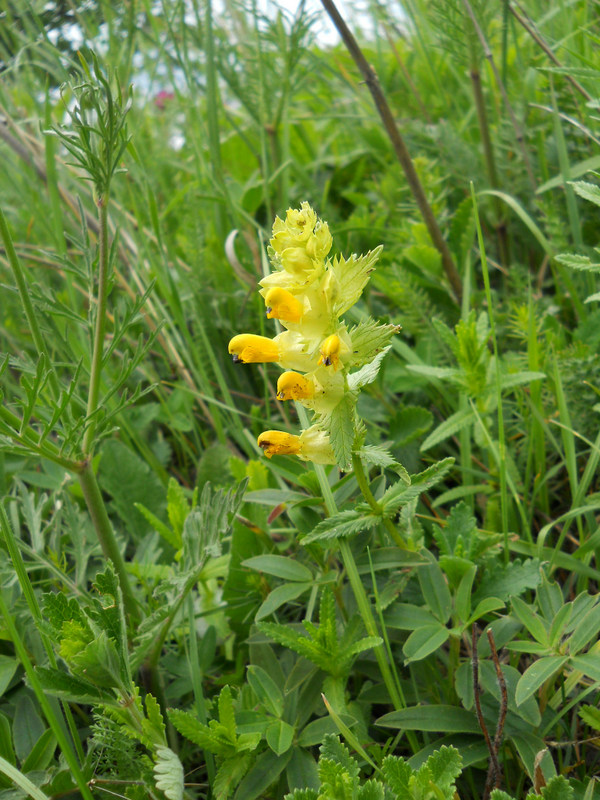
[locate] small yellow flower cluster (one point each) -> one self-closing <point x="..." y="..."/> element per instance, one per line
<point x="308" y="293"/>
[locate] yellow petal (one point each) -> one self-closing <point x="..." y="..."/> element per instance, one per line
<point x="282" y="304"/>
<point x="247" y="348"/>
<point x="293" y="386"/>
<point x="330" y="351"/>
<point x="279" y="443"/>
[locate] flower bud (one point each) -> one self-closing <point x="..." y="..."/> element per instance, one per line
<point x="248" y="348"/>
<point x="282" y="304"/>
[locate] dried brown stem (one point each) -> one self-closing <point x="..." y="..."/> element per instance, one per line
<point x="547" y="49"/>
<point x="501" y="716"/>
<point x="372" y="81"/>
<point x="494" y="768"/>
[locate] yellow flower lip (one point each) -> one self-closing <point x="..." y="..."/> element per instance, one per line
<point x="279" y="443"/>
<point x="248" y="348"/>
<point x="282" y="304"/>
<point x="293" y="386"/>
<point x="330" y="351"/>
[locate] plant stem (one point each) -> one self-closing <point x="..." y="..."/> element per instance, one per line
<point x="399" y="146"/>
<point x="106" y="536"/>
<point x="100" y="324"/>
<point x="363" y="485"/>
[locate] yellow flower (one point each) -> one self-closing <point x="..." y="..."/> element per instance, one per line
<point x="279" y="443"/>
<point x="248" y="348"/>
<point x="312" y="445"/>
<point x="282" y="305"/>
<point x="293" y="386"/>
<point x="330" y="351"/>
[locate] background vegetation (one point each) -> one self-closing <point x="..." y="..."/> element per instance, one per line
<point x="166" y="630"/>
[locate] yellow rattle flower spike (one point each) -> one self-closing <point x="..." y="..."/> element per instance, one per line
<point x="279" y="443"/>
<point x="282" y="305"/>
<point x="248" y="348"/>
<point x="330" y="351"/>
<point x="293" y="386"/>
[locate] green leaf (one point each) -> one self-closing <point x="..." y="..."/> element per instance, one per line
<point x="408" y="617"/>
<point x="558" y="788"/>
<point x="589" y="664"/>
<point x="510" y="580"/>
<point x="530" y="620"/>
<point x="279" y="596"/>
<point x="449" y="719"/>
<point x="586" y="630"/>
<point x="8" y="667"/>
<point x="435" y="588"/>
<point x="346" y="523"/>
<point x="22" y="781"/>
<point x="267" y="768"/>
<point x="352" y="275"/>
<point x="462" y="600"/>
<point x="449" y="427"/>
<point x="574" y="261"/>
<point x="342" y="430"/>
<point x="369" y="338"/>
<point x="168" y="773"/>
<point x="539" y="672"/>
<point x="266" y="690"/>
<point x="445" y="766"/>
<point x="302" y="771"/>
<point x="381" y="457"/>
<point x="591" y="716"/>
<point x="398" y="495"/>
<point x="159" y="526"/>
<point x="279" y="736"/>
<point x="589" y="191"/>
<point x="424" y="641"/>
<point x="280" y="566"/>
<point x="366" y="374"/>
<point x="41" y="754"/>
<point x="409" y="423"/>
<point x="27" y="727"/>
<point x="397" y="773"/>
<point x="229" y="774"/>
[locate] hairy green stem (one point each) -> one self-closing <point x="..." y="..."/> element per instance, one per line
<point x="363" y="485"/>
<point x="106" y="536"/>
<point x="100" y="324"/>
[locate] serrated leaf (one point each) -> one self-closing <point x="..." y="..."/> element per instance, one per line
<point x="342" y="430"/>
<point x="397" y="773"/>
<point x="398" y="495"/>
<point x="510" y="380"/>
<point x="68" y="687"/>
<point x="367" y="374"/>
<point x="369" y="338"/>
<point x="589" y="191"/>
<point x="578" y="262"/>
<point x="445" y="766"/>
<point x="346" y="523"/>
<point x="229" y="774"/>
<point x="381" y="457"/>
<point x="352" y="275"/>
<point x="504" y="581"/>
<point x="591" y="716"/>
<point x="168" y="773"/>
<point x="557" y="788"/>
